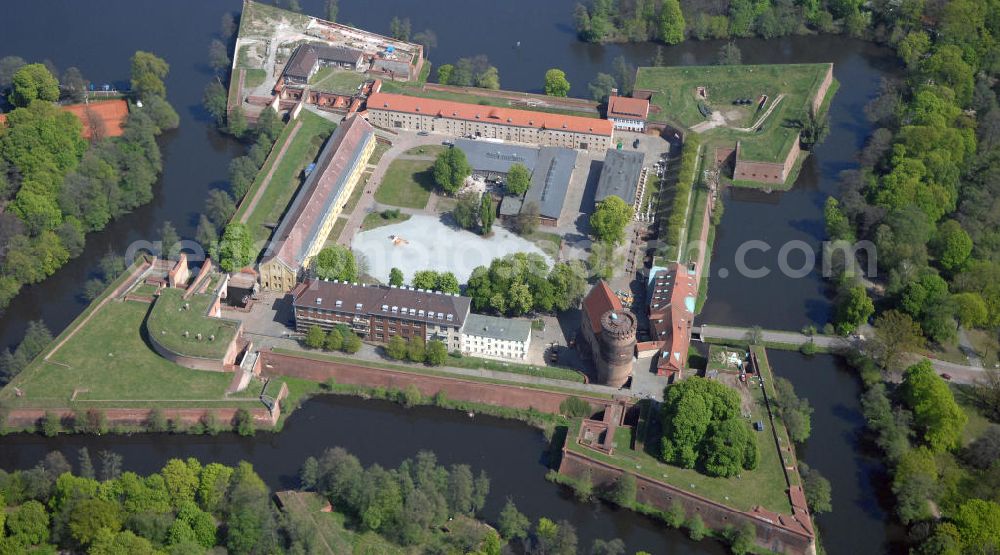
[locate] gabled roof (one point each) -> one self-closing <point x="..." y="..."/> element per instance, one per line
<point x="300" y="227"/>
<point x="620" y="175"/>
<point x="379" y="300"/>
<point x="601" y="299"/>
<point x="504" y="329"/>
<point x="630" y="108"/>
<point x="671" y="311"/>
<point x="488" y="114"/>
<point x="306" y="56"/>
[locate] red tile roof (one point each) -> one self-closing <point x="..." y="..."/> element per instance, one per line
<point x="671" y="311"/>
<point x="600" y="300"/>
<point x="625" y="107"/>
<point x="300" y="226"/>
<point x="488" y="114"/>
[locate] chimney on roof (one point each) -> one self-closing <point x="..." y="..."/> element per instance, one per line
<point x="614" y="91"/>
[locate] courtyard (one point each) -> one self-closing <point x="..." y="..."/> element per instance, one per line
<point x="426" y="243"/>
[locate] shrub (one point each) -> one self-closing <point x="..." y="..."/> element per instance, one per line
<point x="51" y="424"/>
<point x="156" y="421"/>
<point x="411" y="396"/>
<point x="809" y="348"/>
<point x="243" y="423"/>
<point x="575" y="407"/>
<point x="696" y="528"/>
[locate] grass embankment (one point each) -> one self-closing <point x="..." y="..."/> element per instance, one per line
<point x="108" y="363"/>
<point x="550" y="372"/>
<point x="677" y="100"/>
<point x="428" y="371"/>
<point x="183" y="326"/>
<point x="287" y="175"/>
<point x="763" y="486"/>
<point x="407" y="183"/>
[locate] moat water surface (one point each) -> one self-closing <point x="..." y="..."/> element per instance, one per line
<point x="99" y="37"/>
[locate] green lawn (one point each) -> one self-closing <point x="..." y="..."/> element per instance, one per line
<point x="335" y="231"/>
<point x="376" y="219"/>
<point x="407" y="183"/>
<point x="330" y="79"/>
<point x="380" y="149"/>
<point x="426" y="150"/>
<point x="415" y="369"/>
<point x="254" y="78"/>
<point x="108" y="359"/>
<point x="548" y="242"/>
<point x="287" y="176"/>
<point x="172" y="317"/>
<point x="695" y="222"/>
<point x="763" y="486"/>
<point x="551" y="372"/>
<point x="676" y="101"/>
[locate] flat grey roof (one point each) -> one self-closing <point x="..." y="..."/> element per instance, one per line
<point x="504" y="329"/>
<point x="493" y="157"/>
<point x="620" y="175"/>
<point x="549" y="183"/>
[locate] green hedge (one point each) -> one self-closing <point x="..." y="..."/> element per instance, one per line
<point x="685" y="181"/>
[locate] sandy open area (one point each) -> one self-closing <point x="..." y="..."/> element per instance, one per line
<point x="424" y="243"/>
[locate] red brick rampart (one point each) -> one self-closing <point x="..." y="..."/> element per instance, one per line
<point x="458" y="389"/>
<point x="778" y="533"/>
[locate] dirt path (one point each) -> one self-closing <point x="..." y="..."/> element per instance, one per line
<point x="267" y="178"/>
<point x="760" y="120"/>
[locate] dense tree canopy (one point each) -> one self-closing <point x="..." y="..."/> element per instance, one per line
<point x="556" y="83"/>
<point x="55" y="186"/>
<point x="610" y="219"/>
<point x="935" y="413"/>
<point x="33" y="82"/>
<point x="703" y="428"/>
<point x="450" y="169"/>
<point x="335" y="262"/>
<point x="518" y="180"/>
<point x="522" y="283"/>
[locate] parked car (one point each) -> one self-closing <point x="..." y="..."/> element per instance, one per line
<point x="946" y="376"/>
<point x="635" y="143"/>
<point x="422" y="133"/>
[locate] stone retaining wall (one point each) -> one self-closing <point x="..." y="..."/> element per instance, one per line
<point x="776" y="534"/>
<point x="456" y="388"/>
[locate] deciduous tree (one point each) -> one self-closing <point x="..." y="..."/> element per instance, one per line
<point x="556" y="83"/>
<point x="610" y="219"/>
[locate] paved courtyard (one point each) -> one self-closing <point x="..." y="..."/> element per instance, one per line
<point x="426" y="243"/>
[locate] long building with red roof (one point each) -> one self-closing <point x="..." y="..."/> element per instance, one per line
<point x="396" y="111"/>
<point x="674" y="292"/>
<point x="305" y="227"/>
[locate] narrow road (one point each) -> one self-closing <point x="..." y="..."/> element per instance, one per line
<point x="958" y="373"/>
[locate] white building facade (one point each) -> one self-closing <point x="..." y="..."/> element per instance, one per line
<point x="496" y="338"/>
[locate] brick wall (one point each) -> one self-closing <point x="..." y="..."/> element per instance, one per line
<point x="274" y="364"/>
<point x="783" y="534"/>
